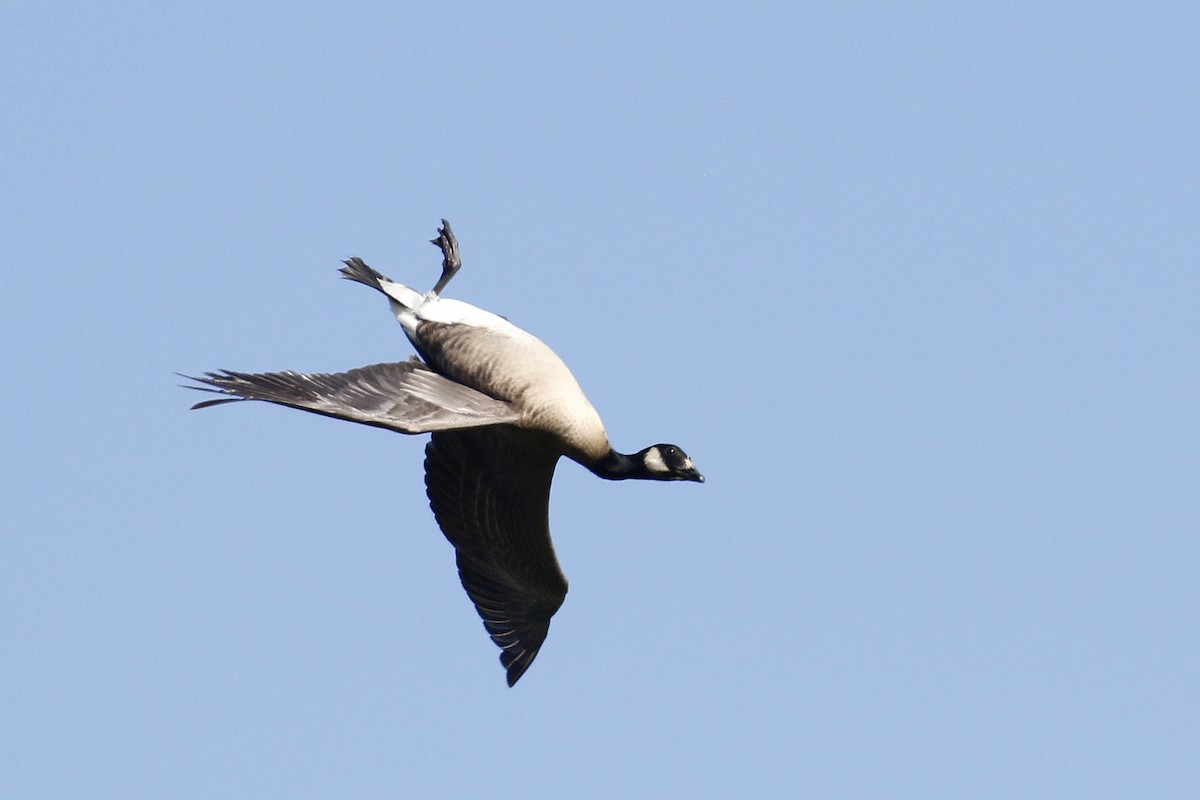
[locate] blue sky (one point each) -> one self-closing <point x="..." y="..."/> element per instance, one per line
<point x="916" y="287"/>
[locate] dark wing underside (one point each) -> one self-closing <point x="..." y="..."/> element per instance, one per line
<point x="405" y="396"/>
<point x="490" y="493"/>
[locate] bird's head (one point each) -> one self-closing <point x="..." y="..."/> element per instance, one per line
<point x="668" y="462"/>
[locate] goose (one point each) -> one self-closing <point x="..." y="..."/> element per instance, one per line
<point x="501" y="409"/>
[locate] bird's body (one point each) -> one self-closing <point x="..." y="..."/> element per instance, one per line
<point x="502" y="409"/>
<point x="486" y="352"/>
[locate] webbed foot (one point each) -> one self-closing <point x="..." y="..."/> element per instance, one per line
<point x="451" y="262"/>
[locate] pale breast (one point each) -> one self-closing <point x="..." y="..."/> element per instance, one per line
<point x="509" y="364"/>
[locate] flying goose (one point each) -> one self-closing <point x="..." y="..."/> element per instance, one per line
<point x="502" y="408"/>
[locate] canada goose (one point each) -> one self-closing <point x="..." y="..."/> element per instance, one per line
<point x="502" y="408"/>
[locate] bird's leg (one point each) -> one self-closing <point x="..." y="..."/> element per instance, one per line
<point x="451" y="262"/>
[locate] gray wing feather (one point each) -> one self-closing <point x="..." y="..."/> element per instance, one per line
<point x="404" y="396"/>
<point x="490" y="493"/>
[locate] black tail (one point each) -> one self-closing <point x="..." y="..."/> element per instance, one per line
<point x="357" y="270"/>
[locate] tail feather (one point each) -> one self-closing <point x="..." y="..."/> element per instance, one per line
<point x="357" y="270"/>
<point x="402" y="297"/>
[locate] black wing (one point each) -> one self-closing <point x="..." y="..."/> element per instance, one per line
<point x="490" y="493"/>
<point x="405" y="396"/>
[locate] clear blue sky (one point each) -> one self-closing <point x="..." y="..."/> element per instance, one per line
<point x="917" y="287"/>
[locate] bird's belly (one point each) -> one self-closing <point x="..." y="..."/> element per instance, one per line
<point x="512" y="365"/>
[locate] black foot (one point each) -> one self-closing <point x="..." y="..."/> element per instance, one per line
<point x="451" y="263"/>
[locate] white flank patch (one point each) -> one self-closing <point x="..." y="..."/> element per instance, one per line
<point x="455" y="311"/>
<point x="402" y="294"/>
<point x="412" y="307"/>
<point x="654" y="461"/>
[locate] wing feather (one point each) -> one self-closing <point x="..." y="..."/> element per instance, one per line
<point x="405" y="396"/>
<point x="490" y="492"/>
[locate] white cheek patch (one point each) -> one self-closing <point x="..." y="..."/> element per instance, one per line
<point x="654" y="461"/>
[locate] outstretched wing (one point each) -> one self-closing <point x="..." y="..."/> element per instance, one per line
<point x="490" y="493"/>
<point x="406" y="396"/>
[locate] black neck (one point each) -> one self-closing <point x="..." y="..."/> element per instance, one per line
<point x="618" y="467"/>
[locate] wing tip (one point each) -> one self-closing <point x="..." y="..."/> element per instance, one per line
<point x="217" y="384"/>
<point x="516" y="665"/>
<point x="208" y="403"/>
